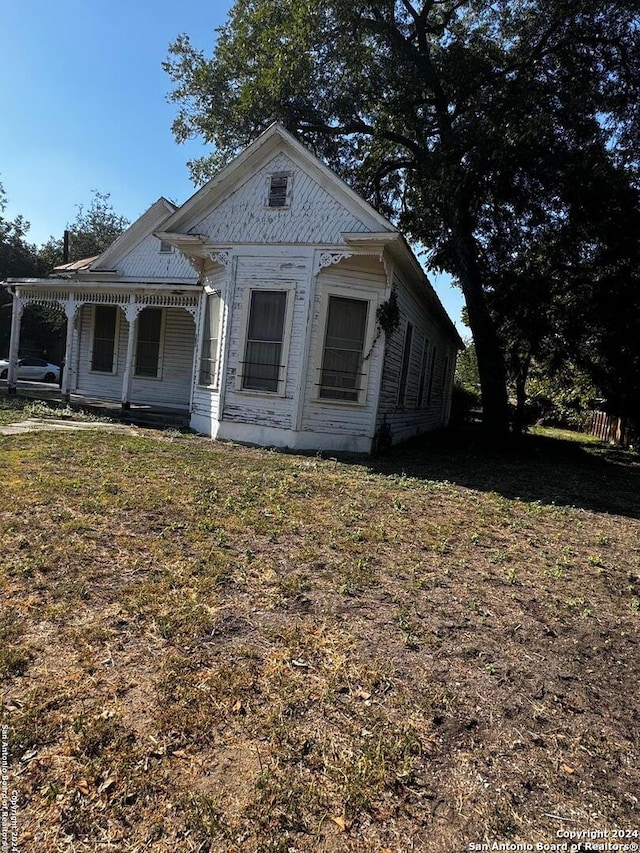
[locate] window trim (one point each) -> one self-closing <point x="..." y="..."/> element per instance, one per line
<point x="165" y="248"/>
<point x="116" y="339"/>
<point x="216" y="385"/>
<point x="287" y="201"/>
<point x="289" y="288"/>
<point x="163" y="321"/>
<point x="323" y="319"/>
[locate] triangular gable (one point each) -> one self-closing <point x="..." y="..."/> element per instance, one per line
<point x="277" y="149"/>
<point x="150" y="221"/>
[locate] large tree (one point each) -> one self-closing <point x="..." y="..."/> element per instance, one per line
<point x="446" y="114"/>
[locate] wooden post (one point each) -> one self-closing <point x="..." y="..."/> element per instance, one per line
<point x="70" y="309"/>
<point x="14" y="346"/>
<point x="131" y="313"/>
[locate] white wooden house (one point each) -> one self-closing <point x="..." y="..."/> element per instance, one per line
<point x="257" y="305"/>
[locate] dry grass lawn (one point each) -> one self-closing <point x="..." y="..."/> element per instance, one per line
<point x="206" y="647"/>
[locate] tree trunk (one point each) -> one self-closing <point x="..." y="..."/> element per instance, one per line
<point x="520" y="420"/>
<point x="491" y="368"/>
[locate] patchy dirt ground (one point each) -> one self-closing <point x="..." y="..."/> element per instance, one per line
<point x="212" y="648"/>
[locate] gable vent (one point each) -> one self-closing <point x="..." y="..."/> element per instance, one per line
<point x="278" y="186"/>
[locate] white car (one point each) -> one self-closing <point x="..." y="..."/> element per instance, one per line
<point x="36" y="369"/>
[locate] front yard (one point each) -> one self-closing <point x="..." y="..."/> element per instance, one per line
<point x="206" y="647"/>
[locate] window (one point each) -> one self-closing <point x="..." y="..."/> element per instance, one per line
<point x="210" y="341"/>
<point x="423" y="372"/>
<point x="431" y="372"/>
<point x="278" y="191"/>
<point x="406" y="358"/>
<point x="265" y="334"/>
<point x="165" y="247"/>
<point x="105" y="326"/>
<point x="341" y="373"/>
<point x="149" y="338"/>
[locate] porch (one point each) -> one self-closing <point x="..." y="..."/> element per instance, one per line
<point x="129" y="347"/>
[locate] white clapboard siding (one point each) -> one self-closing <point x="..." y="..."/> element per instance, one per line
<point x="314" y="215"/>
<point x="367" y="276"/>
<point x="103" y="386"/>
<point x="146" y="260"/>
<point x="252" y="272"/>
<point x="175" y="386"/>
<point x="205" y="405"/>
<point x="407" y="420"/>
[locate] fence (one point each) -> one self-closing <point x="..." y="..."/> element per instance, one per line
<point x="611" y="428"/>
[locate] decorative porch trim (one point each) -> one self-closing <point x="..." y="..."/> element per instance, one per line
<point x="327" y="259"/>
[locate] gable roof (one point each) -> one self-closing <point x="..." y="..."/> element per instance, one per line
<point x="257" y="154"/>
<point x="146" y="224"/>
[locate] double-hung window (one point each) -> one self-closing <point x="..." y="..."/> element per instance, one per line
<point x="342" y="375"/>
<point x="210" y="341"/>
<point x="105" y="331"/>
<point x="149" y="342"/>
<point x="263" y="362"/>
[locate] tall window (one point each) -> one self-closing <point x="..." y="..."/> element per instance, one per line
<point x="431" y="373"/>
<point x="105" y="326"/>
<point x="148" y="347"/>
<point x="341" y="373"/>
<point x="406" y="359"/>
<point x="210" y="341"/>
<point x="423" y="371"/>
<point x="265" y="333"/>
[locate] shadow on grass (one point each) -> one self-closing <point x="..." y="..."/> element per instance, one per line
<point x="545" y="468"/>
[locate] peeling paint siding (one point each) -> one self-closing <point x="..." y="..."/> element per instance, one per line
<point x="103" y="386"/>
<point x="174" y="386"/>
<point x="206" y="401"/>
<point x="262" y="271"/>
<point x="368" y="275"/>
<point x="408" y="420"/>
<point x="147" y="261"/>
<point x="314" y="216"/>
<point x="172" y="390"/>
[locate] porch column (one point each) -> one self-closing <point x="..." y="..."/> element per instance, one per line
<point x="14" y="346"/>
<point x="131" y="312"/>
<point x="71" y="311"/>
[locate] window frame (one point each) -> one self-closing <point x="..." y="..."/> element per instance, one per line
<point x="289" y="288"/>
<point x="163" y="320"/>
<point x="116" y="339"/>
<point x="372" y="300"/>
<point x="216" y="384"/>
<point x="165" y="247"/>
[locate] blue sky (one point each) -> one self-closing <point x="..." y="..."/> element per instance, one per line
<point x="83" y="107"/>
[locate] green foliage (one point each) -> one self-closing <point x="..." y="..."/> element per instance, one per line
<point x="93" y="230"/>
<point x="467" y="370"/>
<point x="388" y="314"/>
<point x="563" y="399"/>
